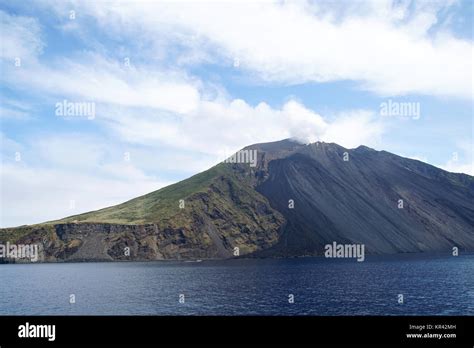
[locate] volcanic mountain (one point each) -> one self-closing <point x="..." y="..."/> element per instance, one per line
<point x="294" y="201"/>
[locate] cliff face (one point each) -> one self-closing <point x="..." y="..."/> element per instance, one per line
<point x="224" y="218"/>
<point x="108" y="242"/>
<point x="294" y="201"/>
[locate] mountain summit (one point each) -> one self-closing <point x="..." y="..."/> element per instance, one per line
<point x="292" y="201"/>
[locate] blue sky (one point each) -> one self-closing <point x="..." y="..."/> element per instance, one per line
<point x="177" y="86"/>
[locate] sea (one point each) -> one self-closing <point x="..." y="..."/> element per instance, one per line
<point x="411" y="284"/>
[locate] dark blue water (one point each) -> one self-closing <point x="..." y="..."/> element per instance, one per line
<point x="431" y="285"/>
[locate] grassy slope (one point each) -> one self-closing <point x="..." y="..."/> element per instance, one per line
<point x="13" y="234"/>
<point x="155" y="207"/>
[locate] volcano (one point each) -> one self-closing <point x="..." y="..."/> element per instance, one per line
<point x="290" y="200"/>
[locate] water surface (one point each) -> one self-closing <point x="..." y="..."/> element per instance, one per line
<point x="431" y="285"/>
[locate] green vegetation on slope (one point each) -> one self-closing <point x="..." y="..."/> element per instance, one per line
<point x="157" y="206"/>
<point x="13" y="234"/>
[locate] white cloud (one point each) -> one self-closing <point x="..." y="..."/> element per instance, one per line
<point x="99" y="80"/>
<point x="20" y="38"/>
<point x="8" y="113"/>
<point x="9" y="146"/>
<point x="74" y="151"/>
<point x="60" y="168"/>
<point x="462" y="160"/>
<point x="13" y="109"/>
<point x="150" y="106"/>
<point x="457" y="167"/>
<point x="386" y="46"/>
<point x="32" y="195"/>
<point x="222" y="127"/>
<point x="359" y="127"/>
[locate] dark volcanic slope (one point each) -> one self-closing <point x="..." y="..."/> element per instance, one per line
<point x="357" y="201"/>
<point x="238" y="206"/>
